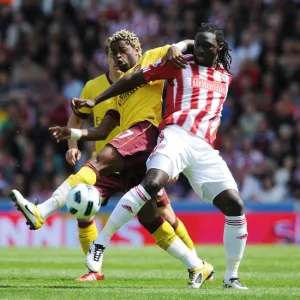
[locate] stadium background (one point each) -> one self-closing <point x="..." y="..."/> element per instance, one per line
<point x="49" y="49"/>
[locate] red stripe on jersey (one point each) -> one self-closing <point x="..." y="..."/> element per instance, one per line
<point x="196" y="90"/>
<point x="207" y="108"/>
<point x="169" y="110"/>
<point x="178" y="100"/>
<point x="210" y="138"/>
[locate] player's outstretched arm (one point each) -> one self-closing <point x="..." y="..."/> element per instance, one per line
<point x="125" y="84"/>
<point x="101" y="132"/>
<point x="130" y="81"/>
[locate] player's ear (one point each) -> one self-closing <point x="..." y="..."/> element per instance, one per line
<point x="220" y="46"/>
<point x="137" y="51"/>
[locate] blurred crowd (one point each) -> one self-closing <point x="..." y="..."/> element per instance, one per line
<point x="49" y="49"/>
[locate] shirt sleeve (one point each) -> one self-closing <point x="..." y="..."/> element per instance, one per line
<point x="157" y="53"/>
<point x="84" y="112"/>
<point x="157" y="71"/>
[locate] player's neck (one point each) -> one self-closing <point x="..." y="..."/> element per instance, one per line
<point x="113" y="76"/>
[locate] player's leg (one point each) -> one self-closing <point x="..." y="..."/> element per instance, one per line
<point x="235" y="231"/>
<point x="107" y="186"/>
<point x="106" y="162"/>
<point x="131" y="203"/>
<point x="211" y="179"/>
<point x="166" y="211"/>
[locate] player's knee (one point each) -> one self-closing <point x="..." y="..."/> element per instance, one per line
<point x="230" y="203"/>
<point x="235" y="206"/>
<point x="152" y="185"/>
<point x="154" y="181"/>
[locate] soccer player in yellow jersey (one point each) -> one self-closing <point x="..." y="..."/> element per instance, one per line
<point x="133" y="147"/>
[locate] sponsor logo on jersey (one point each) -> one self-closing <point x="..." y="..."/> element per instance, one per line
<point x="214" y="86"/>
<point x="125" y="96"/>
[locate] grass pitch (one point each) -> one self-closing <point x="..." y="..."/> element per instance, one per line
<point x="271" y="272"/>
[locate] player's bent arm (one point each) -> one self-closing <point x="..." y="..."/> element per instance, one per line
<point x="186" y="46"/>
<point x="74" y="122"/>
<point x="159" y="71"/>
<point x="125" y="84"/>
<point x="108" y="124"/>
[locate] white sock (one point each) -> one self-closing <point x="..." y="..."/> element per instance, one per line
<point x="180" y="251"/>
<point x="235" y="237"/>
<point x="56" y="202"/>
<point x="128" y="206"/>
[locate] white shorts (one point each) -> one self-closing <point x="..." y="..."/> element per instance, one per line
<point x="179" y="151"/>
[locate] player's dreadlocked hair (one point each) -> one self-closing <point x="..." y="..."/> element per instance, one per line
<point x="128" y="36"/>
<point x="223" y="57"/>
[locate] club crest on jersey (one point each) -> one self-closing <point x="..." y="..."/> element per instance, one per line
<point x="157" y="63"/>
<point x="223" y="77"/>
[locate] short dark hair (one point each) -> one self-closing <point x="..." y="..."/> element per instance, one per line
<point x="223" y="56"/>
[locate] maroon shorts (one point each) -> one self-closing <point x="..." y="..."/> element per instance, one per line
<point x="134" y="145"/>
<point x="109" y="185"/>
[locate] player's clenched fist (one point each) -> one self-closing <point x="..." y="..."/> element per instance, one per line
<point x="61" y="133"/>
<point x="72" y="155"/>
<point x="78" y="103"/>
<point x="175" y="56"/>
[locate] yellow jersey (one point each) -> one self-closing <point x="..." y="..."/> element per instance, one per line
<point x="143" y="103"/>
<point x="92" y="89"/>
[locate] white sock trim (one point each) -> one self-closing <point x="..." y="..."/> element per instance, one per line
<point x="142" y="193"/>
<point x="235" y="221"/>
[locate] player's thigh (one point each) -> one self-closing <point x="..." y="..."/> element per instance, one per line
<point x="170" y="153"/>
<point x="107" y="186"/>
<point x="107" y="161"/>
<point x="209" y="175"/>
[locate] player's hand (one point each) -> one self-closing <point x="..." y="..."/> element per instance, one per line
<point x="61" y="133"/>
<point x="72" y="155"/>
<point x="78" y="103"/>
<point x="175" y="56"/>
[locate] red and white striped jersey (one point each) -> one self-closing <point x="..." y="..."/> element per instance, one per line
<point x="195" y="96"/>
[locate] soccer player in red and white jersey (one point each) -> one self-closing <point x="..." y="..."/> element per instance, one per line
<point x="194" y="103"/>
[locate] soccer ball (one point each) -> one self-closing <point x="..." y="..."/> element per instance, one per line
<point x="83" y="201"/>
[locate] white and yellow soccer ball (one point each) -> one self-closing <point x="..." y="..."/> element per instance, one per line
<point x="83" y="201"/>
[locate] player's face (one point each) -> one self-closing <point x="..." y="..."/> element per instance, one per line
<point x="124" y="55"/>
<point x="112" y="65"/>
<point x="205" y="48"/>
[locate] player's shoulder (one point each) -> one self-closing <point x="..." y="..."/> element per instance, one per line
<point x="97" y="80"/>
<point x="156" y="51"/>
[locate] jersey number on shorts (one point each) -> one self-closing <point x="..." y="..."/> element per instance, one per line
<point x="125" y="134"/>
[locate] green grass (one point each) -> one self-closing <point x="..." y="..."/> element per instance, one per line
<point x="271" y="272"/>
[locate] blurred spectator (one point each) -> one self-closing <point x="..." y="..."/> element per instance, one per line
<point x="271" y="191"/>
<point x="49" y="49"/>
